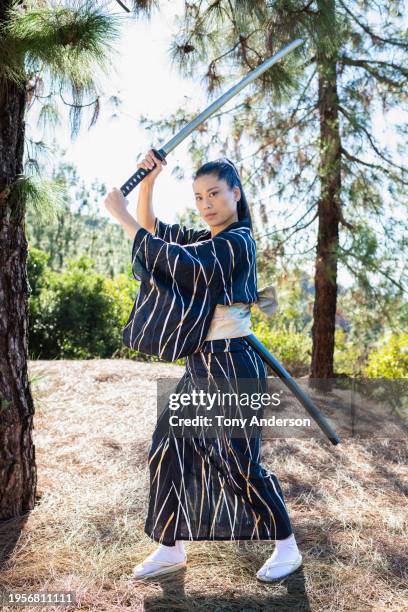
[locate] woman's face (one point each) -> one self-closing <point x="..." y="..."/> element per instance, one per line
<point x="215" y="200"/>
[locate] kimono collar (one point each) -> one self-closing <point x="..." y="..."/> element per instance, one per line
<point x="235" y="225"/>
<point x="267" y="298"/>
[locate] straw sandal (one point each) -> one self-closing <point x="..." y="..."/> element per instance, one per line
<point x="291" y="567"/>
<point x="163" y="567"/>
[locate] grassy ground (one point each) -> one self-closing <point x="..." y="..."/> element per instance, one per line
<point x="348" y="505"/>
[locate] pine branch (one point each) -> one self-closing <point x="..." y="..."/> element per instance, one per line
<point x="367" y="200"/>
<point x="295" y="226"/>
<point x="300" y="253"/>
<point x="374" y="37"/>
<point x="237" y="44"/>
<point x="380" y="77"/>
<point x="260" y="167"/>
<point x="357" y="160"/>
<point x="70" y="42"/>
<point x="282" y="132"/>
<point x="76" y="105"/>
<point x="199" y="22"/>
<point x="361" y="278"/>
<point x="374" y="268"/>
<point x="341" y="218"/>
<point x="362" y="62"/>
<point x="370" y="139"/>
<point x="361" y="161"/>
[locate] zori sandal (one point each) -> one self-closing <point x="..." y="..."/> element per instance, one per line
<point x="276" y="570"/>
<point x="163" y="567"/>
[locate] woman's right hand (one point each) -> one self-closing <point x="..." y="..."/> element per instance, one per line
<point x="148" y="162"/>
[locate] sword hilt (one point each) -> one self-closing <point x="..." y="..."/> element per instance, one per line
<point x="140" y="173"/>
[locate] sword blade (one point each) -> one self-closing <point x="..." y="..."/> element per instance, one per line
<point x="294" y="387"/>
<point x="214" y="106"/>
<point x="161" y="154"/>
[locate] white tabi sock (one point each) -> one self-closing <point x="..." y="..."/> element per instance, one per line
<point x="286" y="552"/>
<point x="169" y="554"/>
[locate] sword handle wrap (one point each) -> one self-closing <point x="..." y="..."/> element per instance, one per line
<point x="140" y="174"/>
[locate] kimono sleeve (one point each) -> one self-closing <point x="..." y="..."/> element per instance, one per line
<point x="174" y="232"/>
<point x="203" y="269"/>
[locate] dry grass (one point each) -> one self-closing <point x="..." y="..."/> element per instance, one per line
<point x="93" y="425"/>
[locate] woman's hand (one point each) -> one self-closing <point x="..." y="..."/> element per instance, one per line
<point x="115" y="202"/>
<point x="148" y="162"/>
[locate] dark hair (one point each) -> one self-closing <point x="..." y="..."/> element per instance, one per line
<point x="223" y="168"/>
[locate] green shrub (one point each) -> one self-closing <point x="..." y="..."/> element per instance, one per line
<point x="74" y="315"/>
<point x="349" y="357"/>
<point x="291" y="348"/>
<point x="389" y="360"/>
<point x="123" y="289"/>
<point x="78" y="313"/>
<point x="37" y="270"/>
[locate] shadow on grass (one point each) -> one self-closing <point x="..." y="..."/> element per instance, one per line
<point x="174" y="596"/>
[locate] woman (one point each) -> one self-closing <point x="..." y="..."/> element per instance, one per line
<point x="196" y="290"/>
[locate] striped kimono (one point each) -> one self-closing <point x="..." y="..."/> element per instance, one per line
<point x="202" y="488"/>
<point x="184" y="274"/>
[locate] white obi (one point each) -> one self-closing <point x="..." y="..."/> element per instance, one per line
<point x="230" y="321"/>
<point x="235" y="320"/>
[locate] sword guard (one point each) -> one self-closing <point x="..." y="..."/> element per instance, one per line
<point x="160" y="154"/>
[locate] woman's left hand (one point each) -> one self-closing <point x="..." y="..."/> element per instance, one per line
<point x="115" y="202"/>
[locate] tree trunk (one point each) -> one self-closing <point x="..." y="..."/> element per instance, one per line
<point x="18" y="476"/>
<point x="324" y="310"/>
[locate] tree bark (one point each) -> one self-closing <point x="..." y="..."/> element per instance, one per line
<point x="324" y="310"/>
<point x="18" y="476"/>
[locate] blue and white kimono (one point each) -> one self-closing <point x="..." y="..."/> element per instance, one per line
<point x="206" y="487"/>
<point x="184" y="274"/>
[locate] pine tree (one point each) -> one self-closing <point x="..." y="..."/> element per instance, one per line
<point x="64" y="46"/>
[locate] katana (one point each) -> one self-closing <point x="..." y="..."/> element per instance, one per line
<point x="162" y="153"/>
